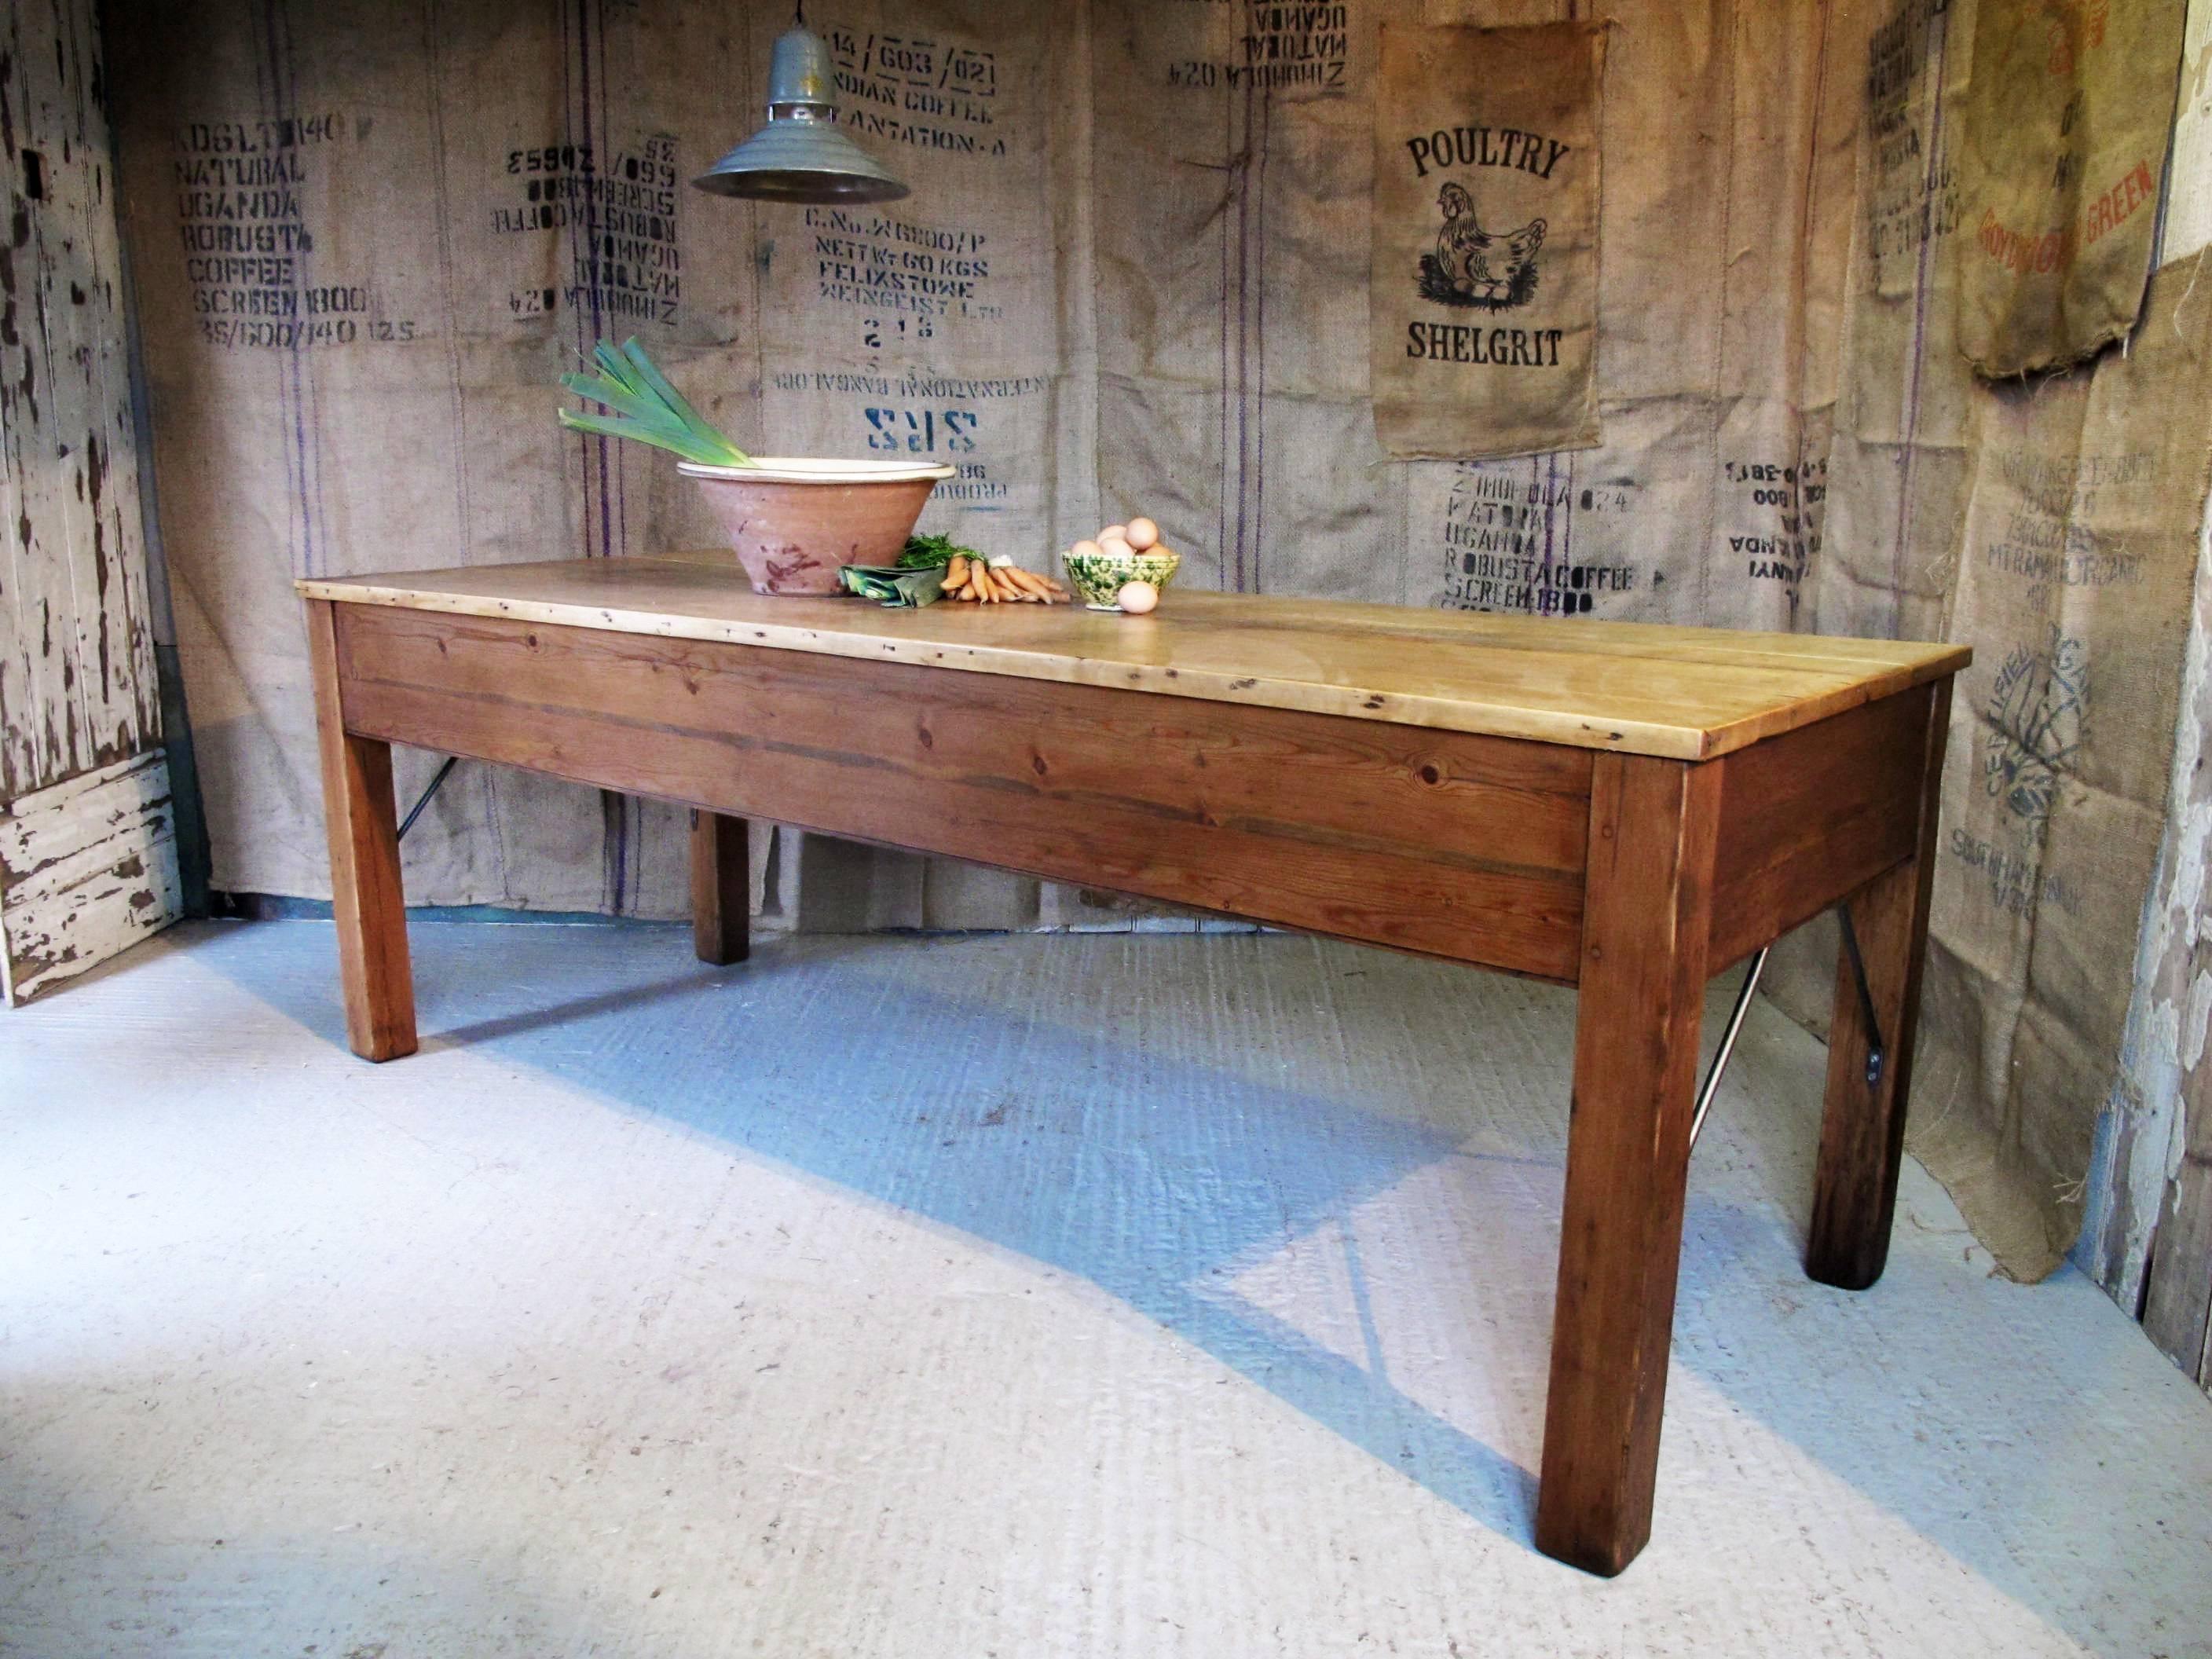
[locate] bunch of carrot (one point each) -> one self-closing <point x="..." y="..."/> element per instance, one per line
<point x="972" y="579"/>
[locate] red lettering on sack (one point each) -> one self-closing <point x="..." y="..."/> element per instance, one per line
<point x="2116" y="205"/>
<point x="2017" y="251"/>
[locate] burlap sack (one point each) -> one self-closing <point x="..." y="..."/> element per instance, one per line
<point x="1142" y="284"/>
<point x="362" y="250"/>
<point x="1483" y="291"/>
<point x="2079" y="559"/>
<point x="1902" y="459"/>
<point x="366" y="249"/>
<point x="2063" y="159"/>
<point x="1210" y="365"/>
<point x="938" y="328"/>
<point x="2053" y="527"/>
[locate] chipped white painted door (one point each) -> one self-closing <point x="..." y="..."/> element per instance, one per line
<point x="88" y="860"/>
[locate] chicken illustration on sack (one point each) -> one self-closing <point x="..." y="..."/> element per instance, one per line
<point x="1474" y="267"/>
<point x="1482" y="241"/>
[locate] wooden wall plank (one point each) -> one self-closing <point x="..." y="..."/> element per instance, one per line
<point x="2177" y="1293"/>
<point x="77" y="684"/>
<point x="88" y="845"/>
<point x="54" y="442"/>
<point x="40" y="744"/>
<point x="116" y="634"/>
<point x="87" y="868"/>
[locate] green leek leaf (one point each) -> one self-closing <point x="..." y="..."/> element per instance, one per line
<point x="646" y="408"/>
<point x="891" y="587"/>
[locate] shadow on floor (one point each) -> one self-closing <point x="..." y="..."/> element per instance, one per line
<point x="1087" y="1138"/>
<point x="1153" y="1178"/>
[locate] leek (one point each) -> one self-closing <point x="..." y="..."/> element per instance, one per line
<point x="893" y="586"/>
<point x="645" y="407"/>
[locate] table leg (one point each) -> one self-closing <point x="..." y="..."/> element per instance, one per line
<point x="1653" y="827"/>
<point x="721" y="889"/>
<point x="1863" y="1125"/>
<point x="366" y="898"/>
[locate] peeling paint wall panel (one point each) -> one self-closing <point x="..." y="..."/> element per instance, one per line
<point x="42" y="733"/>
<point x="132" y="690"/>
<point x="53" y="403"/>
<point x="2188" y="203"/>
<point x="117" y="687"/>
<point x="2145" y="1126"/>
<point x="2177" y="1305"/>
<point x="87" y="868"/>
<point x="88" y="860"/>
<point x="78" y="688"/>
<point x="49" y="839"/>
<point x="2147" y="1238"/>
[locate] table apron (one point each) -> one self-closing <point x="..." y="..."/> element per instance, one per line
<point x="1442" y="843"/>
<point x="1810" y="817"/>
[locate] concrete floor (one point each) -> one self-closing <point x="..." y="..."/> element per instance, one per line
<point x="961" y="1298"/>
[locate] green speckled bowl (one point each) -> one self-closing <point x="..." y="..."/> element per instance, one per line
<point x="1100" y="577"/>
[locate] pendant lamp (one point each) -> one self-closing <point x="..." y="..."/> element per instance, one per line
<point x="801" y="155"/>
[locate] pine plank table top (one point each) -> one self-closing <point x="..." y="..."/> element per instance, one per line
<point x="1622" y="808"/>
<point x="1635" y="687"/>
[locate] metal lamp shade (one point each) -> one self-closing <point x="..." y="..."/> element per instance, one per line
<point x="800" y="160"/>
<point x="801" y="155"/>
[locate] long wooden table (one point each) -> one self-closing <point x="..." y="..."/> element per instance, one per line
<point x="1623" y="808"/>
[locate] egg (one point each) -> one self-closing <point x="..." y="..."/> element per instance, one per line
<point x="1085" y="550"/>
<point x="1137" y="597"/>
<point x="1142" y="533"/>
<point x="1118" y="532"/>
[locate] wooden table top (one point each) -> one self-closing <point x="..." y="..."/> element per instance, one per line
<point x="1643" y="688"/>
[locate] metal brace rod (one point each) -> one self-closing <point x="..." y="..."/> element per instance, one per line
<point x="423" y="800"/>
<point x="1710" y="1086"/>
<point x="1876" y="1050"/>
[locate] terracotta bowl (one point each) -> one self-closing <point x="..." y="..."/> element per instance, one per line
<point x="793" y="522"/>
